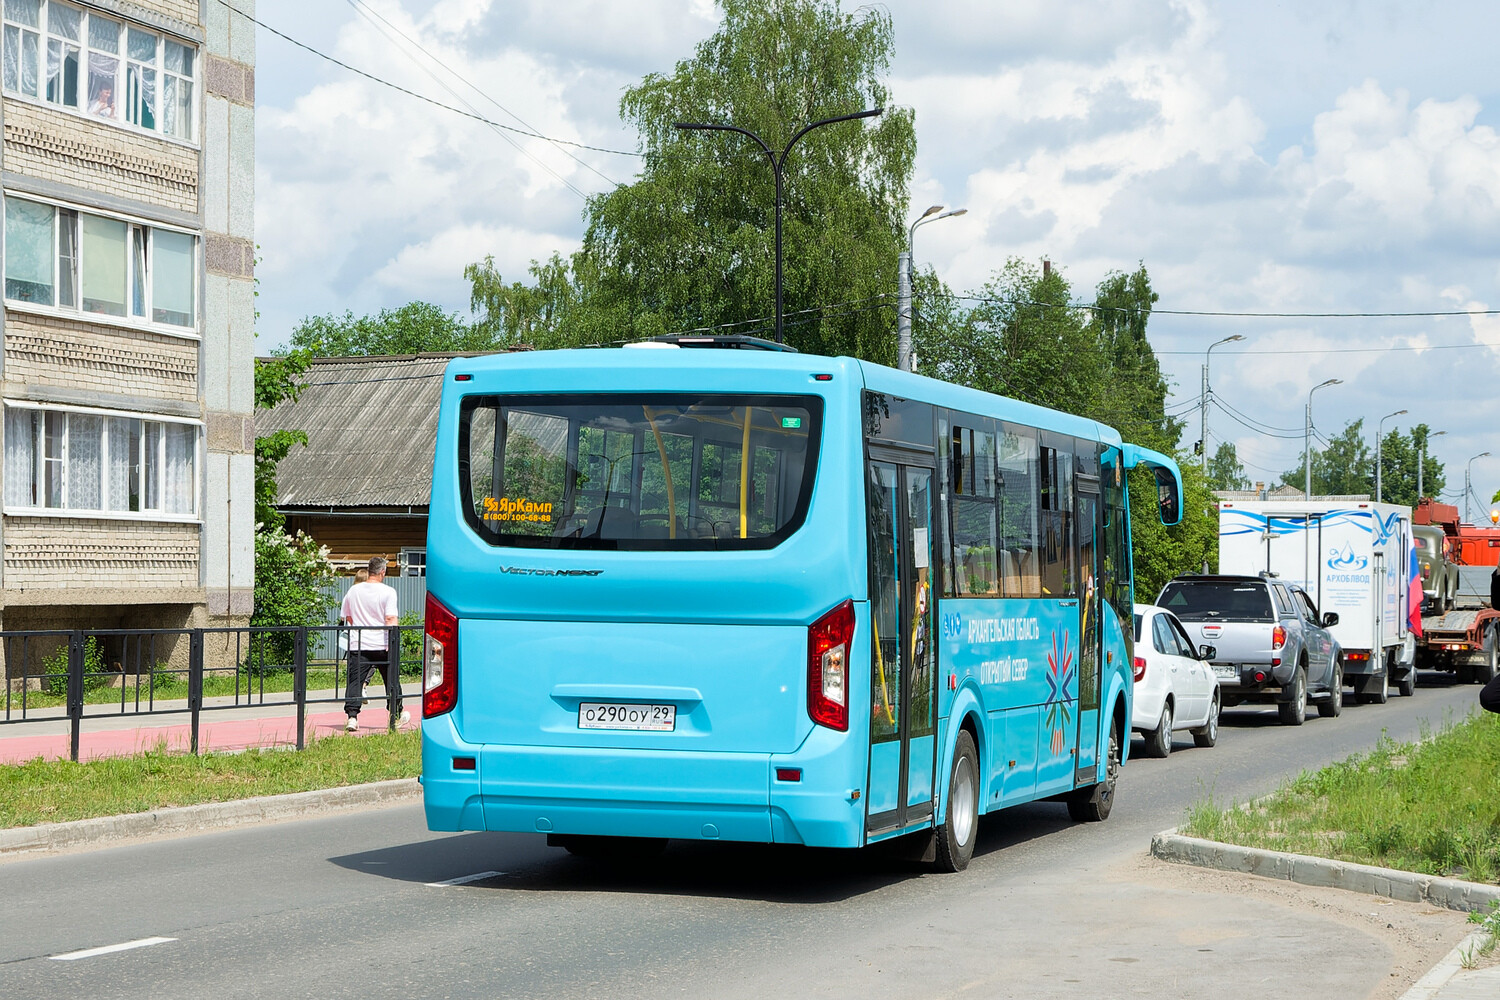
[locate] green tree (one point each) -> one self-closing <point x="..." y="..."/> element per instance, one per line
<point x="415" y="328"/>
<point x="1224" y="469"/>
<point x="689" y="244"/>
<point x="1162" y="552"/>
<point x="1345" y="467"/>
<point x="290" y="570"/>
<point x="1399" y="454"/>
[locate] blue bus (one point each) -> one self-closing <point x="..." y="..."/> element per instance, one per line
<point x="755" y="595"/>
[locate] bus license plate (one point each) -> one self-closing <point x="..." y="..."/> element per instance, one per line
<point x="643" y="718"/>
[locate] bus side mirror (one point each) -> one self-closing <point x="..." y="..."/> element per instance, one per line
<point x="1167" y="496"/>
<point x="1330" y="619"/>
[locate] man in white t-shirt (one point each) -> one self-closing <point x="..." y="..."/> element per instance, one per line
<point x="370" y="607"/>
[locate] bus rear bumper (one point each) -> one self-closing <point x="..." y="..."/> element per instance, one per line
<point x="684" y="795"/>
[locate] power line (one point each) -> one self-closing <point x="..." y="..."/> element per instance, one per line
<point x="421" y="97"/>
<point x="372" y="15"/>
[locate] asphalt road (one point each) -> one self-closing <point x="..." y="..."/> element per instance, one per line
<point x="342" y="906"/>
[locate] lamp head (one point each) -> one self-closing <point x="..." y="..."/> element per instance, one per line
<point x="931" y="209"/>
<point x="956" y="211"/>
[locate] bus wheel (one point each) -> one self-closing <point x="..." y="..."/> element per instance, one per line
<point x="1092" y="805"/>
<point x="955" y="839"/>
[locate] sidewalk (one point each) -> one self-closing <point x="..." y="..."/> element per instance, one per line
<point x="45" y="733"/>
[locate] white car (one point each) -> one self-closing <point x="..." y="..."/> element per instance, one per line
<point x="1175" y="688"/>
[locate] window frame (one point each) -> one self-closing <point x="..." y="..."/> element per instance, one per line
<point x="813" y="405"/>
<point x="158" y="513"/>
<point x="85" y="50"/>
<point x="74" y="310"/>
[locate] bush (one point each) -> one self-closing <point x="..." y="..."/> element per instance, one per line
<point x="411" y="645"/>
<point x="290" y="574"/>
<point x="55" y="668"/>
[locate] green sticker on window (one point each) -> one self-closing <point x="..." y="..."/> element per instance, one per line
<point x="791" y="421"/>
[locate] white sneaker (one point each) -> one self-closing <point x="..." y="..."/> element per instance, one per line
<point x="352" y="726"/>
<point x="405" y="716"/>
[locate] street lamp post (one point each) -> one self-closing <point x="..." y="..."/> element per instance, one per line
<point x="1422" y="464"/>
<point x="777" y="162"/>
<point x="904" y="359"/>
<point x="1378" y="432"/>
<point x="1307" y="436"/>
<point x="1203" y="399"/>
<point x="1467" y="482"/>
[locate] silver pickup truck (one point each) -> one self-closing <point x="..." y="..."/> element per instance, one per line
<point x="1272" y="646"/>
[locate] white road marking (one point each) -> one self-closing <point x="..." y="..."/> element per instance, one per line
<point x="109" y="948"/>
<point x="464" y="879"/>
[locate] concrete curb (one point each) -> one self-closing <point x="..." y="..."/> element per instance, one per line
<point x="207" y="816"/>
<point x="1451" y="893"/>
<point x="1430" y="986"/>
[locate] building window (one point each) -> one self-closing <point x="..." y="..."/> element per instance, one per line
<point x="75" y="260"/>
<point x="82" y="461"/>
<point x="413" y="562"/>
<point x="94" y="64"/>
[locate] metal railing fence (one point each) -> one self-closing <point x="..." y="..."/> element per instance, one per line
<point x="93" y="673"/>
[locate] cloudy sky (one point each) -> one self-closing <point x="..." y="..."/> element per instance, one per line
<point x="1337" y="157"/>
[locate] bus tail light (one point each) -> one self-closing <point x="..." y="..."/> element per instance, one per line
<point x="1278" y="637"/>
<point x="1140" y="667"/>
<point x="439" y="660"/>
<point x="828" y="642"/>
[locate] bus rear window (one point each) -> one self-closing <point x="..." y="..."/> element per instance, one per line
<point x="636" y="472"/>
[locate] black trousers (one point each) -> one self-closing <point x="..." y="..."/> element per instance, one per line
<point x="362" y="664"/>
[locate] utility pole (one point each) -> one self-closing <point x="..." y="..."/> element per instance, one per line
<point x="1307" y="436"/>
<point x="1203" y="399"/>
<point x="1421" y="465"/>
<point x="1379" y="430"/>
<point x="904" y="280"/>
<point x="778" y="161"/>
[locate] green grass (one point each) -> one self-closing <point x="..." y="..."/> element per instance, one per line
<point x="1431" y="807"/>
<point x="51" y="791"/>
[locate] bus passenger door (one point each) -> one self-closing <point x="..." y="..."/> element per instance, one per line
<point x="903" y="709"/>
<point x="1090" y="607"/>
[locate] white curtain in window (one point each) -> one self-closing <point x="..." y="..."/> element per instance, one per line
<point x="104" y="265"/>
<point x="122" y="444"/>
<point x="85" y="462"/>
<point x="28" y="251"/>
<point x="180" y="485"/>
<point x="172" y="278"/>
<point x="150" y="465"/>
<point x="20" y="458"/>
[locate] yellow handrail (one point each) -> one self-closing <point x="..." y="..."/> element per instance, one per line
<point x="666" y="468"/>
<point x="745" y="478"/>
<point x="885" y="695"/>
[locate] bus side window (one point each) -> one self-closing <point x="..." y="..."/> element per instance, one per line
<point x="976" y="562"/>
<point x="1018" y="461"/>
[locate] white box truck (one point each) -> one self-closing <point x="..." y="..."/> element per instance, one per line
<point x="1353" y="557"/>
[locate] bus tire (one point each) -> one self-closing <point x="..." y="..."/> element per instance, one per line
<point x="1093" y="805"/>
<point x="955" y="838"/>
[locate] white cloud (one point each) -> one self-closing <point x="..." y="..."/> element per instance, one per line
<point x="1301" y="159"/>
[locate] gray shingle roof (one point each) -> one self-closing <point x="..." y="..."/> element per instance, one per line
<point x="371" y="424"/>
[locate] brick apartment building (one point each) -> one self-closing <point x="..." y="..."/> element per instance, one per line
<point x="127" y="162"/>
